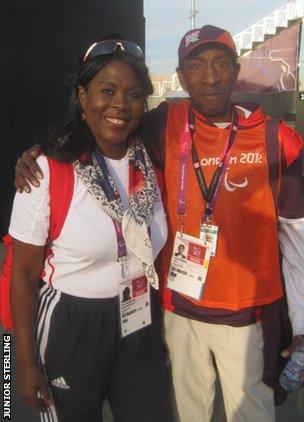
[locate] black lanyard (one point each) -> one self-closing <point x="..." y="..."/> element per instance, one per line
<point x="209" y="193"/>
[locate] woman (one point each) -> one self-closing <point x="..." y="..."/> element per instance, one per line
<point x="114" y="229"/>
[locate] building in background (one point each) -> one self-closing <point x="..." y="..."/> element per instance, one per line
<point x="165" y="88"/>
<point x="271" y="54"/>
<point x="272" y="58"/>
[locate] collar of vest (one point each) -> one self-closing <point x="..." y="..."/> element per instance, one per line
<point x="255" y="118"/>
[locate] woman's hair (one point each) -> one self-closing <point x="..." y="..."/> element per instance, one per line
<point x="74" y="137"/>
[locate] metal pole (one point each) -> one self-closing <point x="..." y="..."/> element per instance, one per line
<point x="193" y="14"/>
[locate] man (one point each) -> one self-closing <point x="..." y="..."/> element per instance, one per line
<point x="220" y="179"/>
<point x="243" y="280"/>
<point x="180" y="251"/>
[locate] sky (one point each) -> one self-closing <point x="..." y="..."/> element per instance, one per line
<point x="168" y="20"/>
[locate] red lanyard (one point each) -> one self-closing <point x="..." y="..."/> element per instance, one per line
<point x="210" y="193"/>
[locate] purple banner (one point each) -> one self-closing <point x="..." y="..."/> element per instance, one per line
<point x="273" y="65"/>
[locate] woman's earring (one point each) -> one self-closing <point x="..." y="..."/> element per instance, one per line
<point x="83" y="116"/>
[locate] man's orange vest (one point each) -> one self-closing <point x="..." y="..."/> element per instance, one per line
<point x="246" y="270"/>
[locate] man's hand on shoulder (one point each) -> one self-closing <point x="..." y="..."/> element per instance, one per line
<point x="27" y="171"/>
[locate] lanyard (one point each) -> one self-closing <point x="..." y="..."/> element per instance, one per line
<point x="210" y="193"/>
<point x="112" y="195"/>
<point x="184" y="143"/>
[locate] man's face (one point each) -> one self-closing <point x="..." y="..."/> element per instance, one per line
<point x="181" y="249"/>
<point x="208" y="75"/>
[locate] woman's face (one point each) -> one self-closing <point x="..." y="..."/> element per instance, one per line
<point x="113" y="104"/>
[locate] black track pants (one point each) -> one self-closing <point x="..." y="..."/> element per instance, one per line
<point x="86" y="361"/>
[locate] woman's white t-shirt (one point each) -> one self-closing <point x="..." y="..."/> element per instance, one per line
<point x="85" y="254"/>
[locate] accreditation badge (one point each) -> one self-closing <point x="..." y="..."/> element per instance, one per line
<point x="189" y="265"/>
<point x="209" y="235"/>
<point x="134" y="304"/>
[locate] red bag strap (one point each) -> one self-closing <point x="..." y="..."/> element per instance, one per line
<point x="61" y="189"/>
<point x="7" y="240"/>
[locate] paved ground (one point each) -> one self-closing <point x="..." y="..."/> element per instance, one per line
<point x="291" y="410"/>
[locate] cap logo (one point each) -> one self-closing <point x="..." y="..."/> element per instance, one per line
<point x="192" y="37"/>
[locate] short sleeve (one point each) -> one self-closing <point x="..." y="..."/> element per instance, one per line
<point x="31" y="211"/>
<point x="291" y="196"/>
<point x="291" y="227"/>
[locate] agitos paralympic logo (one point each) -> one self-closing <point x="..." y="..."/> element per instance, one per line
<point x="230" y="184"/>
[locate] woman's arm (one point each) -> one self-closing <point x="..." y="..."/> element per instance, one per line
<point x="27" y="266"/>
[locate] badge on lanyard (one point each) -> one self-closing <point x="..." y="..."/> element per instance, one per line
<point x="189" y="265"/>
<point x="209" y="234"/>
<point x="134" y="304"/>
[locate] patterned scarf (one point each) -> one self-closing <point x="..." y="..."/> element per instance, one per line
<point x="135" y="221"/>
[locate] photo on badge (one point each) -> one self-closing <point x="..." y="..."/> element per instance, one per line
<point x="180" y="252"/>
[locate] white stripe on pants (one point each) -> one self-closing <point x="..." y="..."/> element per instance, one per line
<point x="238" y="352"/>
<point x="48" y="299"/>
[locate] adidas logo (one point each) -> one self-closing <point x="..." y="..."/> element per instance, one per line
<point x="60" y="383"/>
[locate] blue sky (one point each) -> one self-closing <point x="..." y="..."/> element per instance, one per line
<point x="167" y="21"/>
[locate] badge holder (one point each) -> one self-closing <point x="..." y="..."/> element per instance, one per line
<point x="134" y="305"/>
<point x="189" y="265"/>
<point x="208" y="231"/>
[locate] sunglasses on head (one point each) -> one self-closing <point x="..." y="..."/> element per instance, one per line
<point x="110" y="46"/>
